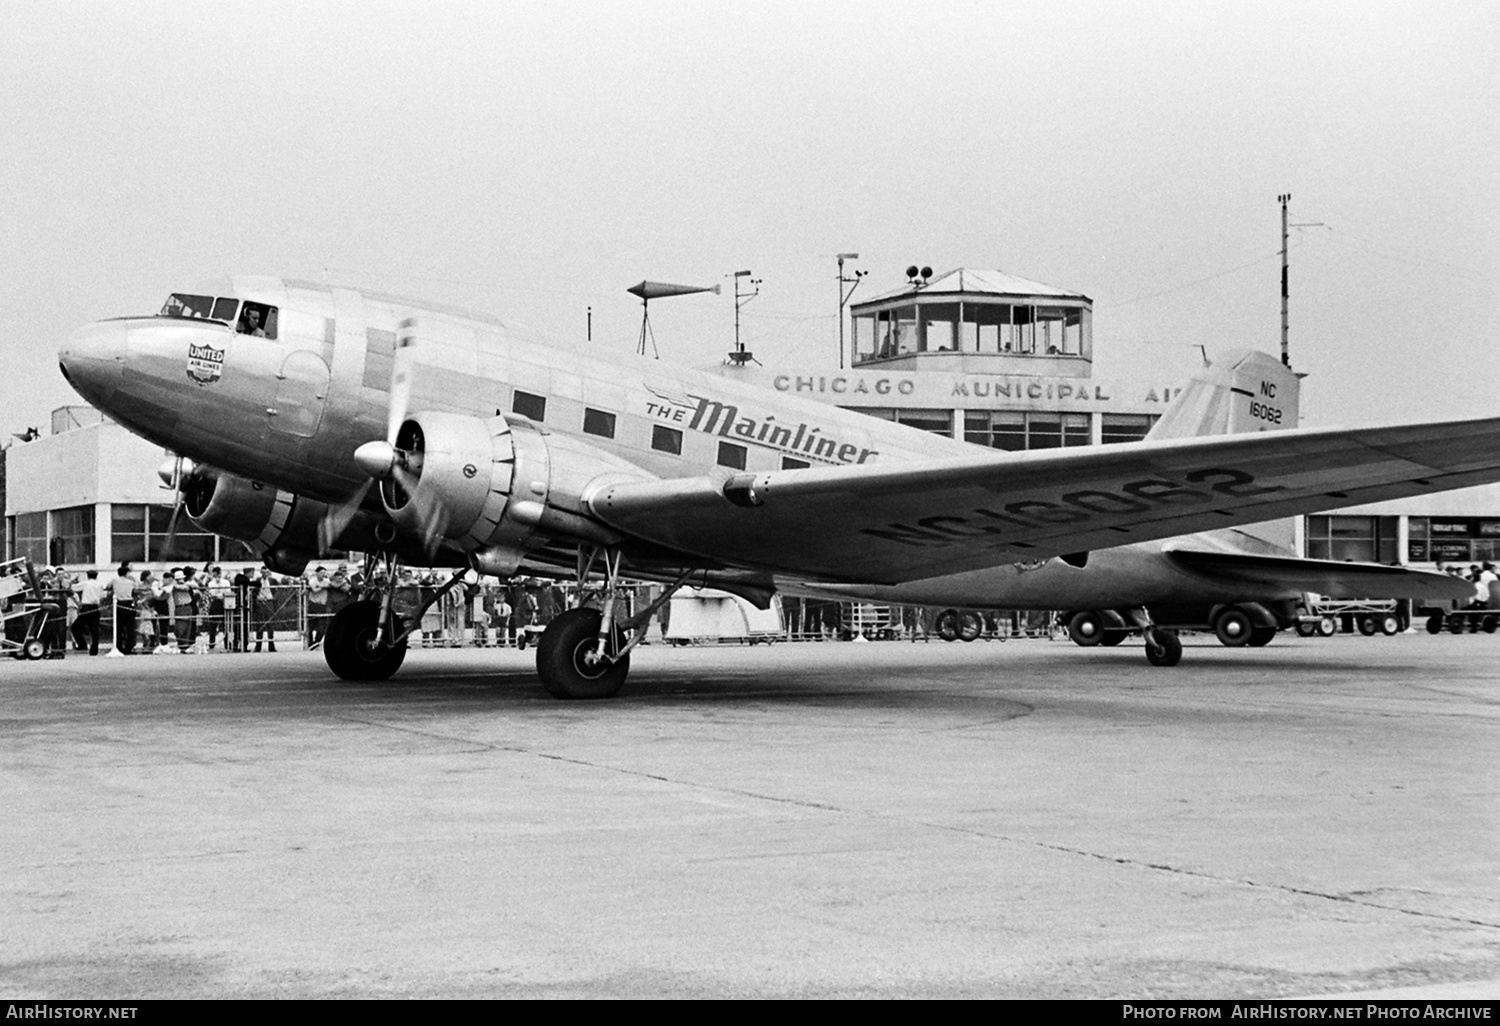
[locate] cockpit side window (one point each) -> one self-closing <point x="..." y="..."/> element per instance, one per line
<point x="224" y="309"/>
<point x="180" y="304"/>
<point x="258" y="319"/>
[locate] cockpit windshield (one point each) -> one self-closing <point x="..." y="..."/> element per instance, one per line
<point x="257" y="319"/>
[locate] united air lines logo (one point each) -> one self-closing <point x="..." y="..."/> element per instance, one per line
<point x="205" y="364"/>
<point x="712" y="417"/>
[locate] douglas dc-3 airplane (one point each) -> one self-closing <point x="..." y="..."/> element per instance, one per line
<point x="320" y="418"/>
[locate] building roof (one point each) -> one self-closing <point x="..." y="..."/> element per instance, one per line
<point x="972" y="282"/>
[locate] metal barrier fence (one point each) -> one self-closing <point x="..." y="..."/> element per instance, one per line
<point x="491" y="615"/>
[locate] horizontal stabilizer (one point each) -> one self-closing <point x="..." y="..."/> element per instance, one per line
<point x="1322" y="576"/>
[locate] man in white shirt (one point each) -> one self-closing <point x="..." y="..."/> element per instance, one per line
<point x="90" y="593"/>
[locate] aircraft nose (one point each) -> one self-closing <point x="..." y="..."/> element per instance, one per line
<point x="92" y="357"/>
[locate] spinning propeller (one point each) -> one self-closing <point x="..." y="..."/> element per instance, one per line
<point x="396" y="462"/>
<point x="174" y="474"/>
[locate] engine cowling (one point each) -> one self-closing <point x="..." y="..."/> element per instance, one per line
<point x="284" y="529"/>
<point x="489" y="486"/>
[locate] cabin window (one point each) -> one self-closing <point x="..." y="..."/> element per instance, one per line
<point x="788" y="463"/>
<point x="532" y="407"/>
<point x="731" y="455"/>
<point x="665" y="439"/>
<point x="597" y="422"/>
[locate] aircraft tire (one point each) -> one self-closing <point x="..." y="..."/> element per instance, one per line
<point x="1260" y="637"/>
<point x="1163" y="647"/>
<point x="346" y="646"/>
<point x="946" y="625"/>
<point x="1086" y="628"/>
<point x="1113" y="637"/>
<point x="1234" y="627"/>
<point x="970" y="626"/>
<point x="561" y="663"/>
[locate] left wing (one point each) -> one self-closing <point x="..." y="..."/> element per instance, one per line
<point x="1323" y="576"/>
<point x="888" y="523"/>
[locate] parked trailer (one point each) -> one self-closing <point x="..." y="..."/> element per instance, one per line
<point x="1325" y="616"/>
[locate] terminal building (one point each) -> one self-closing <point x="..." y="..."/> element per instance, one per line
<point x="982" y="356"/>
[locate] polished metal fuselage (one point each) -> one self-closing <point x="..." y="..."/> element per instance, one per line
<point x="290" y="412"/>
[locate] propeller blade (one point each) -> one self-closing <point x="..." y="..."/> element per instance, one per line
<point x="337" y="519"/>
<point x="401" y="371"/>
<point x="180" y="469"/>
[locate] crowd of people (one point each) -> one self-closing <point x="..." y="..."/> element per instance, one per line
<point x="200" y="609"/>
<point x="189" y="609"/>
<point x="1485" y="579"/>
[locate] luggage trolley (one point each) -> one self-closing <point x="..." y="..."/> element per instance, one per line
<point x="23" y="613"/>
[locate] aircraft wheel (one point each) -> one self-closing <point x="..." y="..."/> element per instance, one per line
<point x="946" y="625"/>
<point x="34" y="648"/>
<point x="1389" y="624"/>
<point x="1086" y="628"/>
<point x="1233" y="627"/>
<point x="970" y="626"/>
<point x="1163" y="648"/>
<point x="1113" y="637"/>
<point x="1260" y="637"/>
<point x="1435" y="623"/>
<point x="348" y="644"/>
<point x="564" y="657"/>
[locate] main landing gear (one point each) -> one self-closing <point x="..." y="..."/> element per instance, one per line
<point x="585" y="653"/>
<point x="366" y="640"/>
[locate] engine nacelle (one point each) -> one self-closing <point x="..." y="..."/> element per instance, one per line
<point x="490" y="486"/>
<point x="284" y="529"/>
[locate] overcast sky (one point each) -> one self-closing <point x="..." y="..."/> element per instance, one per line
<point x="534" y="160"/>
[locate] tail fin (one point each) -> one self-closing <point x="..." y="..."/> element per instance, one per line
<point x="1241" y="391"/>
<point x="1244" y="390"/>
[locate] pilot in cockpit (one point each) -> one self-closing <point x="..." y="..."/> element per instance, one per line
<point x="250" y="322"/>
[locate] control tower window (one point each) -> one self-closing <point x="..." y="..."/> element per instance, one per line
<point x="1058" y="331"/>
<point x="257" y="319"/>
<point x="939" y="326"/>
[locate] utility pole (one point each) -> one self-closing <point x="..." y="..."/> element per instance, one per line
<point x="1284" y="199"/>
<point x="853" y="284"/>
<point x="1286" y="359"/>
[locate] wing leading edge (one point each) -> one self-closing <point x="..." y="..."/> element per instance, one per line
<point x="889" y="523"/>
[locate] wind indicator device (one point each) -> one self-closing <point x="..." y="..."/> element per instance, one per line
<point x="739" y="355"/>
<point x="649" y="290"/>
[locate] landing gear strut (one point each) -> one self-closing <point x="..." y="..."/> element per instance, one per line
<point x="585" y="653"/>
<point x="365" y="639"/>
<point x="1163" y="647"/>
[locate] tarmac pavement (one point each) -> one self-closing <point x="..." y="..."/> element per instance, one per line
<point x="1018" y="819"/>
